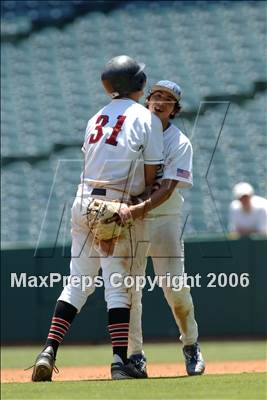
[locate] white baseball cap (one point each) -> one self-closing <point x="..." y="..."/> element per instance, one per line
<point x="242" y="189"/>
<point x="168" y="86"/>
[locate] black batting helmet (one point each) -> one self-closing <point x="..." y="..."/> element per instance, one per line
<point x="123" y="75"/>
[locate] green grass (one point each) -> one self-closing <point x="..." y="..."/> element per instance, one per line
<point x="21" y="357"/>
<point x="239" y="386"/>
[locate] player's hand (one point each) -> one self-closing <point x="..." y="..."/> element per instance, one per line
<point x="125" y="214"/>
<point x="139" y="210"/>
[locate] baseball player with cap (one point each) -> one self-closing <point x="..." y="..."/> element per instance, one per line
<point x="123" y="146"/>
<point x="164" y="219"/>
<point x="248" y="213"/>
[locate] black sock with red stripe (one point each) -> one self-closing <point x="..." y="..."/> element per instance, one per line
<point x="118" y="326"/>
<point x="63" y="316"/>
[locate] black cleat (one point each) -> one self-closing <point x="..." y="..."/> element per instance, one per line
<point x="125" y="371"/>
<point x="194" y="361"/>
<point x="44" y="365"/>
<point x="140" y="363"/>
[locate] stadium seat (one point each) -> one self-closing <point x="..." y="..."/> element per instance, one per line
<point x="51" y="86"/>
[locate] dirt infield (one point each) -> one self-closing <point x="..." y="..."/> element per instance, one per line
<point x="154" y="370"/>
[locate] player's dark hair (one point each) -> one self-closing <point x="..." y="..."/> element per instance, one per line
<point x="176" y="111"/>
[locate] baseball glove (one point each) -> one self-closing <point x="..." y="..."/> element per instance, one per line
<point x="104" y="219"/>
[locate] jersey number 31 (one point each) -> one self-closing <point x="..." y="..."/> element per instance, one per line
<point x="101" y="121"/>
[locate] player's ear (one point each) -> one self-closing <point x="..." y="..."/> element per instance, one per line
<point x="176" y="111"/>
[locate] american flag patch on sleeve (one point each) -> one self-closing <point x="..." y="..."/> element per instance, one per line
<point x="183" y="173"/>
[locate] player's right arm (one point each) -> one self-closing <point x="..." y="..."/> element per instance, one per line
<point x="157" y="198"/>
<point x="177" y="173"/>
<point x="153" y="157"/>
<point x="150" y="175"/>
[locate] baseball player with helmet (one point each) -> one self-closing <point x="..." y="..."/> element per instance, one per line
<point x="164" y="219"/>
<point x="122" y="148"/>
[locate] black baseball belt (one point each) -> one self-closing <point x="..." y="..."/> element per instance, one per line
<point x="99" y="192"/>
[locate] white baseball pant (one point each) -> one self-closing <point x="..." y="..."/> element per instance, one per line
<point x="167" y="251"/>
<point x="86" y="260"/>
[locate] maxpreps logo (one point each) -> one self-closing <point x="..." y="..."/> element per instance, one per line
<point x="36" y="281"/>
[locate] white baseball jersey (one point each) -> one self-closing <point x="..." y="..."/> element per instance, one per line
<point x="256" y="219"/>
<point x="119" y="140"/>
<point x="178" y="156"/>
<point x="120" y="135"/>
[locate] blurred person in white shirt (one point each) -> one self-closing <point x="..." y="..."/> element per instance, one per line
<point x="248" y="213"/>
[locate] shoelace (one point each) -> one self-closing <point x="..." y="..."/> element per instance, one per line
<point x="139" y="364"/>
<point x="55" y="368"/>
<point x="193" y="354"/>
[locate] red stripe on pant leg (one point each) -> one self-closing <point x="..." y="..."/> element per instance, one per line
<point x="55" y="337"/>
<point x="61" y="321"/>
<point x="118" y="334"/>
<point x="116" y="326"/>
<point x="123" y="344"/>
<point x="57" y="328"/>
<point x="118" y="330"/>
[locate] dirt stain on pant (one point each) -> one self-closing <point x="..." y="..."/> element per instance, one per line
<point x="182" y="315"/>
